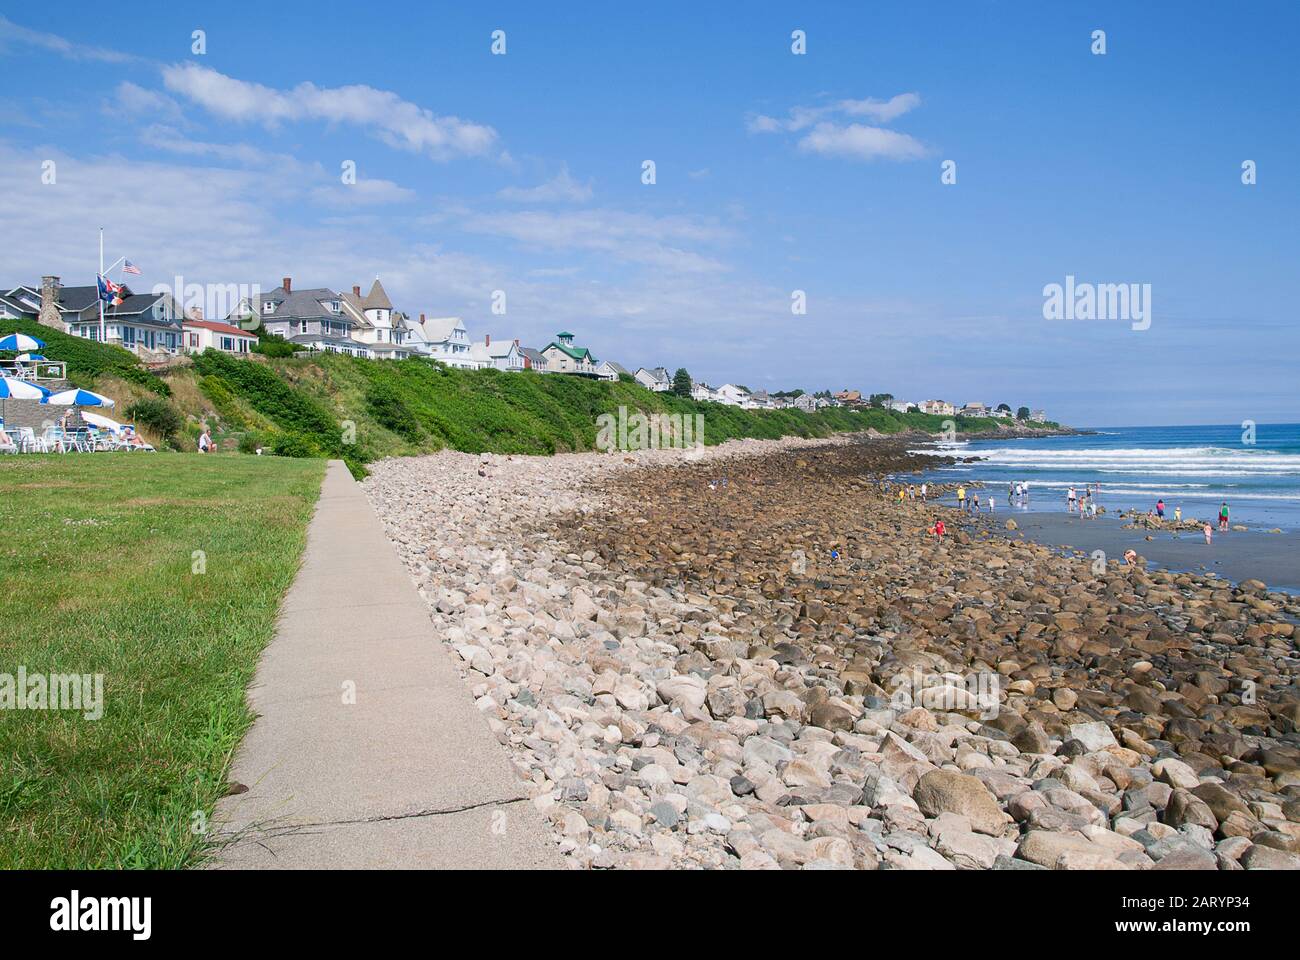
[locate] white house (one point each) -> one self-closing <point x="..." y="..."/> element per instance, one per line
<point x="503" y="355"/>
<point x="974" y="410"/>
<point x="609" y="370"/>
<point x="901" y="406"/>
<point x="1039" y="415"/>
<point x="376" y="323"/>
<point x="200" y="335"/>
<point x="657" y="379"/>
<point x="702" y="391"/>
<point x="733" y="395"/>
<point x="445" y="339"/>
<point x="807" y="402"/>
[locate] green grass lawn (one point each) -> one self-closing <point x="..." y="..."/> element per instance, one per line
<point x="97" y="561"/>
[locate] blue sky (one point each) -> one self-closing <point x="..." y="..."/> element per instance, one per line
<point x="774" y="173"/>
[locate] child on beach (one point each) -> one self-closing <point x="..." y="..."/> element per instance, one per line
<point x="938" y="529"/>
<point x="1070" y="498"/>
<point x="1209" y="534"/>
<point x="923" y="493"/>
<point x="1178" y="513"/>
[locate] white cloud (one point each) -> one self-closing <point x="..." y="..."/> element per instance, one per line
<point x="397" y="122"/>
<point x="628" y="237"/>
<point x="11" y="34"/>
<point x="828" y="134"/>
<point x="882" y="111"/>
<point x="561" y="187"/>
<point x="861" y="142"/>
<point x="134" y="100"/>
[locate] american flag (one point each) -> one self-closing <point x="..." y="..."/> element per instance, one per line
<point x="129" y="267"/>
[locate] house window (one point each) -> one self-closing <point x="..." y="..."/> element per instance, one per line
<point x="128" y="335"/>
<point x="228" y="344"/>
<point x="194" y="339"/>
<point x="268" y="306"/>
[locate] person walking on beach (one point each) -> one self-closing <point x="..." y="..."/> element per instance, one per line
<point x="1025" y="490"/>
<point x="975" y="502"/>
<point x="961" y="497"/>
<point x="1209" y="534"/>
<point x="1178" y="513"/>
<point x="923" y="493"/>
<point x="939" y="529"/>
<point x="1160" y="508"/>
<point x="1070" y="500"/>
<point x="1223" y="516"/>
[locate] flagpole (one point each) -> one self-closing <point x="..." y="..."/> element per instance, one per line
<point x="97" y="294"/>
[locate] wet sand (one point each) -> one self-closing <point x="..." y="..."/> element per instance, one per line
<point x="1273" y="558"/>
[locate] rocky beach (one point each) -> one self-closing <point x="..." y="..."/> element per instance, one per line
<point x="754" y="656"/>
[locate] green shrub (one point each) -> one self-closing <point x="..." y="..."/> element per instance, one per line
<point x="386" y="406"/>
<point x="272" y="344"/>
<point x="156" y="414"/>
<point x="294" y="445"/>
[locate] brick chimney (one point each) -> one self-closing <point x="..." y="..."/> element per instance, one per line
<point x="356" y="290"/>
<point x="49" y="315"/>
<point x="421" y="319"/>
<point x="487" y="339"/>
<point x="288" y="284"/>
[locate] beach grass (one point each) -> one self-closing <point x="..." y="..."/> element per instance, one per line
<point x="163" y="573"/>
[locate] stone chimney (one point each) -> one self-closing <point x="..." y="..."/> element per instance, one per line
<point x="49" y="315"/>
<point x="288" y="284"/>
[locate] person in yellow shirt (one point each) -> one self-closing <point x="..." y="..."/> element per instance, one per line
<point x="961" y="498"/>
<point x="1178" y="513"/>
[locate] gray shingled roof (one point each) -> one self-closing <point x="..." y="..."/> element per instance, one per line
<point x="300" y="305"/>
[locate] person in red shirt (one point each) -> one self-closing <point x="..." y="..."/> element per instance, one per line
<point x="938" y="529"/>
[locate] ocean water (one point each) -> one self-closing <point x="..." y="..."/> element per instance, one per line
<point x="1195" y="467"/>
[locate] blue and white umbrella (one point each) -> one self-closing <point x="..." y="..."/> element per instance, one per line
<point x="20" y="341"/>
<point x="78" y="398"/>
<point x="30" y="357"/>
<point x="11" y="388"/>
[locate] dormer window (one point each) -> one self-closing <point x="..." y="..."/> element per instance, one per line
<point x="268" y="306"/>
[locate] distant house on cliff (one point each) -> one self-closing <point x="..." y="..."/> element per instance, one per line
<point x="974" y="410"/>
<point x="502" y="354"/>
<point x="609" y="370"/>
<point x="562" y="356"/>
<point x="1038" y="415"/>
<point x="657" y="379"/>
<point x="938" y="408"/>
<point x="849" y="397"/>
<point x="733" y="395"/>
<point x="533" y="359"/>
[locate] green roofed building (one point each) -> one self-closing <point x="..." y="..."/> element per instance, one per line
<point x="563" y="357"/>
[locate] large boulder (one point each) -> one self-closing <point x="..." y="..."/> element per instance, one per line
<point x="944" y="791"/>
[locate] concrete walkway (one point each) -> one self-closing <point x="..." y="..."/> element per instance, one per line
<point x="407" y="775"/>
